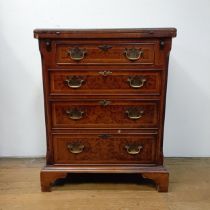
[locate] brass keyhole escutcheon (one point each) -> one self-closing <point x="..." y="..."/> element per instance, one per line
<point x="105" y="73"/>
<point x="104" y="102"/>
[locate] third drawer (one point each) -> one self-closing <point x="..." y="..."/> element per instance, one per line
<point x="106" y="113"/>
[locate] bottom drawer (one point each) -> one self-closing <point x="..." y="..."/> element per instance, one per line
<point x="104" y="148"/>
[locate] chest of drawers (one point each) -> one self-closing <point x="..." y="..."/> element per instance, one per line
<point x="104" y="94"/>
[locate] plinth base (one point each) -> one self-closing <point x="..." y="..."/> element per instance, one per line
<point x="49" y="174"/>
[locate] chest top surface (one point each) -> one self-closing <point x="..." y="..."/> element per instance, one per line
<point x="105" y="33"/>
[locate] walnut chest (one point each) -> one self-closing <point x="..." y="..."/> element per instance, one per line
<point x="104" y="94"/>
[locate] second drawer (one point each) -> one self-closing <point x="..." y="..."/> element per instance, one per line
<point x="90" y="82"/>
<point x="115" y="113"/>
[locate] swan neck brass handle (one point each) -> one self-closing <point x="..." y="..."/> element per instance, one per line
<point x="136" y="81"/>
<point x="76" y="53"/>
<point x="74" y="81"/>
<point x="75" y="114"/>
<point x="76" y="148"/>
<point x="133" y="54"/>
<point x="134" y="113"/>
<point x="105" y="73"/>
<point x="133" y="149"/>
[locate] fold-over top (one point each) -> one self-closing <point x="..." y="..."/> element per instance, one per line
<point x="104" y="33"/>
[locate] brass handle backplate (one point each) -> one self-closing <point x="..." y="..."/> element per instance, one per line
<point x="133" y="149"/>
<point x="74" y="113"/>
<point x="134" y="113"/>
<point x="76" y="148"/>
<point x="133" y="54"/>
<point x="74" y="81"/>
<point x="76" y="53"/>
<point x="105" y="73"/>
<point x="137" y="81"/>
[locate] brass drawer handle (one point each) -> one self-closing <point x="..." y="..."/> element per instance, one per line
<point x="76" y="148"/>
<point x="133" y="54"/>
<point x="105" y="73"/>
<point x="134" y="113"/>
<point x="133" y="149"/>
<point x="137" y="81"/>
<point x="74" y="81"/>
<point x="76" y="53"/>
<point x="75" y="114"/>
<point x="104" y="102"/>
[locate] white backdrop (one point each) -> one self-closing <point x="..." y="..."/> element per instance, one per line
<point x="187" y="125"/>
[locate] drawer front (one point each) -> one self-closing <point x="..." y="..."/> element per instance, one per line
<point x="105" y="114"/>
<point x="111" y="53"/>
<point x="89" y="82"/>
<point x="78" y="148"/>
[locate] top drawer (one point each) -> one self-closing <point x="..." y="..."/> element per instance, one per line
<point x="106" y="53"/>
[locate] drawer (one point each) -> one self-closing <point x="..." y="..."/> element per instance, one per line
<point x="110" y="82"/>
<point x="104" y="148"/>
<point x="105" y="113"/>
<point x="109" y="53"/>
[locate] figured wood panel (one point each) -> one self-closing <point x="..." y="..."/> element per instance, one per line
<point x="99" y="150"/>
<point x="110" y="116"/>
<point x="104" y="49"/>
<point x="114" y="55"/>
<point x="117" y="82"/>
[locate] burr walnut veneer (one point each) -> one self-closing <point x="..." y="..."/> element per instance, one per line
<point x="104" y="94"/>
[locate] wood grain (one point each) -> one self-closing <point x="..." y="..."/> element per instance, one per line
<point x="99" y="116"/>
<point x="115" y="55"/>
<point x="105" y="33"/>
<point x="115" y="84"/>
<point x="110" y="149"/>
<point x="83" y="54"/>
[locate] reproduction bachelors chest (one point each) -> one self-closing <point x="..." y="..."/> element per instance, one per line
<point x="104" y="94"/>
